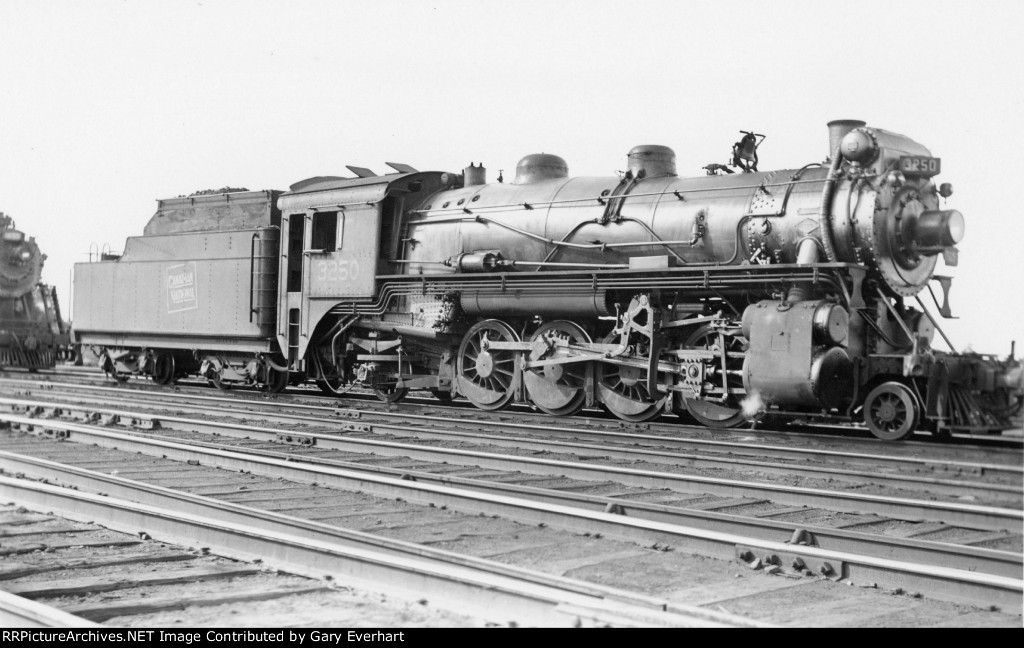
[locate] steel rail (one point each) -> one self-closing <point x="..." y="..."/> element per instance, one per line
<point x="163" y="399"/>
<point x="900" y="480"/>
<point x="19" y="612"/>
<point x="980" y="442"/>
<point x="548" y="425"/>
<point x="460" y="589"/>
<point x="746" y="447"/>
<point x="966" y="557"/>
<point x="274" y="522"/>
<point x="949" y="583"/>
<point x="972" y="516"/>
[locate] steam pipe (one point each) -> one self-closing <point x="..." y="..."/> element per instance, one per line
<point x="825" y="208"/>
<point x="806" y="254"/>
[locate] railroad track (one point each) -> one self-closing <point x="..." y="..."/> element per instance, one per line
<point x="755" y="596"/>
<point x="992" y="481"/>
<point x="719" y="544"/>
<point x="794" y="434"/>
<point x="263" y="543"/>
<point x="929" y="457"/>
<point x="752" y="520"/>
<point x="95" y="574"/>
<point x="1007" y="476"/>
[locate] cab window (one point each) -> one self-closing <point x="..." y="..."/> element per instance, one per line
<point x="325" y="231"/>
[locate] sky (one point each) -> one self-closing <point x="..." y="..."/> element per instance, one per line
<point x="108" y="105"/>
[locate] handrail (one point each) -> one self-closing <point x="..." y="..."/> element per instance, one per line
<point x="252" y="273"/>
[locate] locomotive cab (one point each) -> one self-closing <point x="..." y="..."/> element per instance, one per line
<point x="338" y="236"/>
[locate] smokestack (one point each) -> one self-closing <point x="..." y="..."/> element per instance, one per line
<point x="837" y="129"/>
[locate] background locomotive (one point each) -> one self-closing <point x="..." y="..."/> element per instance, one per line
<point x="716" y="297"/>
<point x="32" y="333"/>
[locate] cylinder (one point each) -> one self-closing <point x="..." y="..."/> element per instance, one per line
<point x="831" y="377"/>
<point x="831" y="324"/>
<point x="792" y="359"/>
<point x="826" y="381"/>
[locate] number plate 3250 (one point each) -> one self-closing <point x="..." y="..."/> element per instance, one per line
<point x="920" y="165"/>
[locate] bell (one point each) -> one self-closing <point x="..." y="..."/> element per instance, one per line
<point x="747" y="147"/>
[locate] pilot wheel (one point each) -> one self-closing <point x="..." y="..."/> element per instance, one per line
<point x="891" y="411"/>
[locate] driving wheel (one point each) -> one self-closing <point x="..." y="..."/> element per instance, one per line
<point x="727" y="412"/>
<point x="487" y="376"/>
<point x="557" y="389"/>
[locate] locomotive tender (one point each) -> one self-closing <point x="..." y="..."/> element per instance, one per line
<point x="716" y="297"/>
<point x="32" y="333"/>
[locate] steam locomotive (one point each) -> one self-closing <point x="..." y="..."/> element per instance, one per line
<point x="718" y="298"/>
<point x="32" y="333"/>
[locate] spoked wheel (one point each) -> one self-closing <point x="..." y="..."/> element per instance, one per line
<point x="163" y="369"/>
<point x="891" y="411"/>
<point x="557" y="389"/>
<point x="725" y="413"/>
<point x="486" y="377"/>
<point x="623" y="391"/>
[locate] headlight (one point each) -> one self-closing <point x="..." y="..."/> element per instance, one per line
<point x="936" y="230"/>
